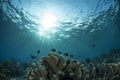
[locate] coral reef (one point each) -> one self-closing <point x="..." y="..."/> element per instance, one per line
<point x="7" y="69"/>
<point x="104" y="71"/>
<point x="11" y="69"/>
<point x="54" y="67"/>
<point x="111" y="57"/>
<point x="105" y="67"/>
<point x="57" y="67"/>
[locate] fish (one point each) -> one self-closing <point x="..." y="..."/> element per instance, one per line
<point x="71" y="56"/>
<point x="53" y="50"/>
<point x="93" y="45"/>
<point x="59" y="52"/>
<point x="33" y="57"/>
<point x="38" y="51"/>
<point x="66" y="54"/>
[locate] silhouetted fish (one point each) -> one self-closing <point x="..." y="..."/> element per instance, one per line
<point x="66" y="54"/>
<point x="59" y="52"/>
<point x="33" y="57"/>
<point x="71" y="56"/>
<point x="54" y="50"/>
<point x="38" y="51"/>
<point x="93" y="45"/>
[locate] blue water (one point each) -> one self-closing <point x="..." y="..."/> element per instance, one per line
<point x="80" y="25"/>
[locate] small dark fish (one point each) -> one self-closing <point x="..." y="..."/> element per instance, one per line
<point x="33" y="57"/>
<point x="59" y="52"/>
<point x="38" y="51"/>
<point x="88" y="60"/>
<point x="93" y="45"/>
<point x="54" y="50"/>
<point x="71" y="56"/>
<point x="66" y="54"/>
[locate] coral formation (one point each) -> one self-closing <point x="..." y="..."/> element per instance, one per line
<point x="112" y="57"/>
<point x="54" y="67"/>
<point x="57" y="67"/>
<point x="8" y="69"/>
<point x="11" y="69"/>
<point x="105" y="67"/>
<point x="104" y="71"/>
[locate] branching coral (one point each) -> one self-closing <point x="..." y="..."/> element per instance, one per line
<point x="10" y="69"/>
<point x="106" y="67"/>
<point x="105" y="71"/>
<point x="3" y="75"/>
<point x="112" y="57"/>
<point x="54" y="67"/>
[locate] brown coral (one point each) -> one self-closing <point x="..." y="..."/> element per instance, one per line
<point x="105" y="71"/>
<point x="54" y="67"/>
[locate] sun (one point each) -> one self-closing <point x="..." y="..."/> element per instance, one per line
<point x="48" y="25"/>
<point x="49" y="20"/>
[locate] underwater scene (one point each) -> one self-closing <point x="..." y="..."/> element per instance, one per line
<point x="59" y="39"/>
